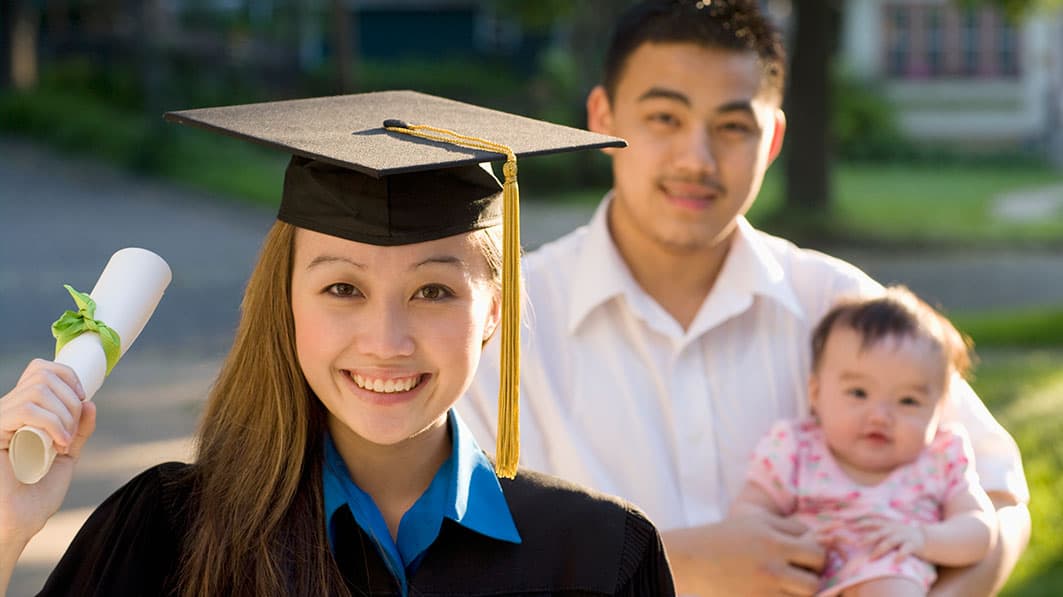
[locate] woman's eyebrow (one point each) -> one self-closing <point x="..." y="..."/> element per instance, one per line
<point x="323" y="259"/>
<point x="443" y="259"/>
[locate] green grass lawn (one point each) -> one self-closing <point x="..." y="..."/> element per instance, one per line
<point x="927" y="204"/>
<point x="1020" y="378"/>
<point x="1024" y="390"/>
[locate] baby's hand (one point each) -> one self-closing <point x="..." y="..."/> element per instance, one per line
<point x="885" y="536"/>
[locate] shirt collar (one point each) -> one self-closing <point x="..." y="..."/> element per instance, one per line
<point x="750" y="269"/>
<point x="464" y="489"/>
<point x="601" y="273"/>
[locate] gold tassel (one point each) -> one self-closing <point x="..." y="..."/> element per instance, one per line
<point x="508" y="444"/>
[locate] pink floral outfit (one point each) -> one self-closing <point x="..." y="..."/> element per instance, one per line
<point x="794" y="466"/>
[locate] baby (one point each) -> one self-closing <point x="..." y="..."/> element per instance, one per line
<point x="887" y="490"/>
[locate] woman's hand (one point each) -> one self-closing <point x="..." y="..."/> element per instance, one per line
<point x="48" y="396"/>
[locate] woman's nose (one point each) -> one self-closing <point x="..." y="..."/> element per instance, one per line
<point x="387" y="333"/>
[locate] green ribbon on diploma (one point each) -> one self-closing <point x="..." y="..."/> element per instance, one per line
<point x="72" y="324"/>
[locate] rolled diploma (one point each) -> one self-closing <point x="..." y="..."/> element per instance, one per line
<point x="126" y="295"/>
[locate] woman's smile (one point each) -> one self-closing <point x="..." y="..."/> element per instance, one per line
<point x="385" y="389"/>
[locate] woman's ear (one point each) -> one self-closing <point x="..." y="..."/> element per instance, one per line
<point x="494" y="316"/>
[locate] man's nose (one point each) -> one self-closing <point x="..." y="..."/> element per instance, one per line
<point x="695" y="155"/>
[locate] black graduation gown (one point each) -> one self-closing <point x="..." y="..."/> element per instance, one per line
<point x="574" y="543"/>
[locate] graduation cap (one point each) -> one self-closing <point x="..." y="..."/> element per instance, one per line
<point x="402" y="167"/>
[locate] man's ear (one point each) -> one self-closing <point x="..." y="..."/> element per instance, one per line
<point x="777" y="134"/>
<point x="600" y="114"/>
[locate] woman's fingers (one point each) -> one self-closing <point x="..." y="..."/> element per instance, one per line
<point x="85" y="428"/>
<point x="48" y="396"/>
<point x="34" y="415"/>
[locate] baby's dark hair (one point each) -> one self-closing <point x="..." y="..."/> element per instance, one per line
<point x="736" y="25"/>
<point x="898" y="313"/>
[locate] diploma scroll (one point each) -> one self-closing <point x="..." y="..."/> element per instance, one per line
<point x="126" y="295"/>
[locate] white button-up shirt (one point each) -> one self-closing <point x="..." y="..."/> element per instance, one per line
<point x="616" y="396"/>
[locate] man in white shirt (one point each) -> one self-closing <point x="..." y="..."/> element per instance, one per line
<point x="666" y="336"/>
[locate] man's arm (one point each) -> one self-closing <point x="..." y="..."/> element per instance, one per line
<point x="989" y="575"/>
<point x="751" y="552"/>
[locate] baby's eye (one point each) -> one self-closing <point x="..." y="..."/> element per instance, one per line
<point x="342" y="289"/>
<point x="857" y="393"/>
<point x="910" y="401"/>
<point x="433" y="292"/>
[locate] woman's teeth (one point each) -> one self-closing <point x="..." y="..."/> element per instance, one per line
<point x="388" y="386"/>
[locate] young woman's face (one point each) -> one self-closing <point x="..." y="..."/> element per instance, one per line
<point x="389" y="337"/>
<point x="878" y="405"/>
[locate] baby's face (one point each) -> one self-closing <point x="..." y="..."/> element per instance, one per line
<point x="878" y="406"/>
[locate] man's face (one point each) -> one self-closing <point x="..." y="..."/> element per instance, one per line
<point x="701" y="132"/>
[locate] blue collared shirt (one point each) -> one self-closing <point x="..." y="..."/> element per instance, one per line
<point x="464" y="490"/>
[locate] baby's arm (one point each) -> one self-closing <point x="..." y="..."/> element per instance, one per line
<point x="964" y="536"/>
<point x="967" y="532"/>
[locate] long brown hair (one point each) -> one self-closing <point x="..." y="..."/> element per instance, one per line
<point x="257" y="515"/>
<point x="257" y="519"/>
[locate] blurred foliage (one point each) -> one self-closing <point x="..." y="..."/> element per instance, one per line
<point x="864" y="122"/>
<point x="1031" y="328"/>
<point x="109" y="99"/>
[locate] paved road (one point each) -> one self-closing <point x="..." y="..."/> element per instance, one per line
<point x="61" y="219"/>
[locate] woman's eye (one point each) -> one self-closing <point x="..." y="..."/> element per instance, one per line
<point x="342" y="289"/>
<point x="433" y="292"/>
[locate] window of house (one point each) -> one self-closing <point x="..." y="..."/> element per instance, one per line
<point x="898" y="31"/>
<point x="942" y="40"/>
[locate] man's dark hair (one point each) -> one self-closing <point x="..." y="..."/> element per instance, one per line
<point x="896" y="314"/>
<point x="736" y="25"/>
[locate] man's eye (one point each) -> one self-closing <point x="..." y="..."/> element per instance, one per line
<point x="663" y="118"/>
<point x="739" y="127"/>
<point x="433" y="292"/>
<point x="342" y="289"/>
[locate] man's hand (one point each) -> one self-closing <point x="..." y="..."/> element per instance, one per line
<point x="748" y="553"/>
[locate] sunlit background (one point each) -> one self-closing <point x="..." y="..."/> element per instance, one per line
<point x="925" y="144"/>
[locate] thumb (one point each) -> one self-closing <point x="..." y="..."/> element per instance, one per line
<point x="787" y="526"/>
<point x="86" y="426"/>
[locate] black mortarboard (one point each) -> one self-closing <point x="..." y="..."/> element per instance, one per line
<point x="352" y="178"/>
<point x="401" y="167"/>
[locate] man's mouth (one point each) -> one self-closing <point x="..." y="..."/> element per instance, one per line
<point x="694" y="195"/>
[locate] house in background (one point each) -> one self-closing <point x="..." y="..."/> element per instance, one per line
<point x="966" y="76"/>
